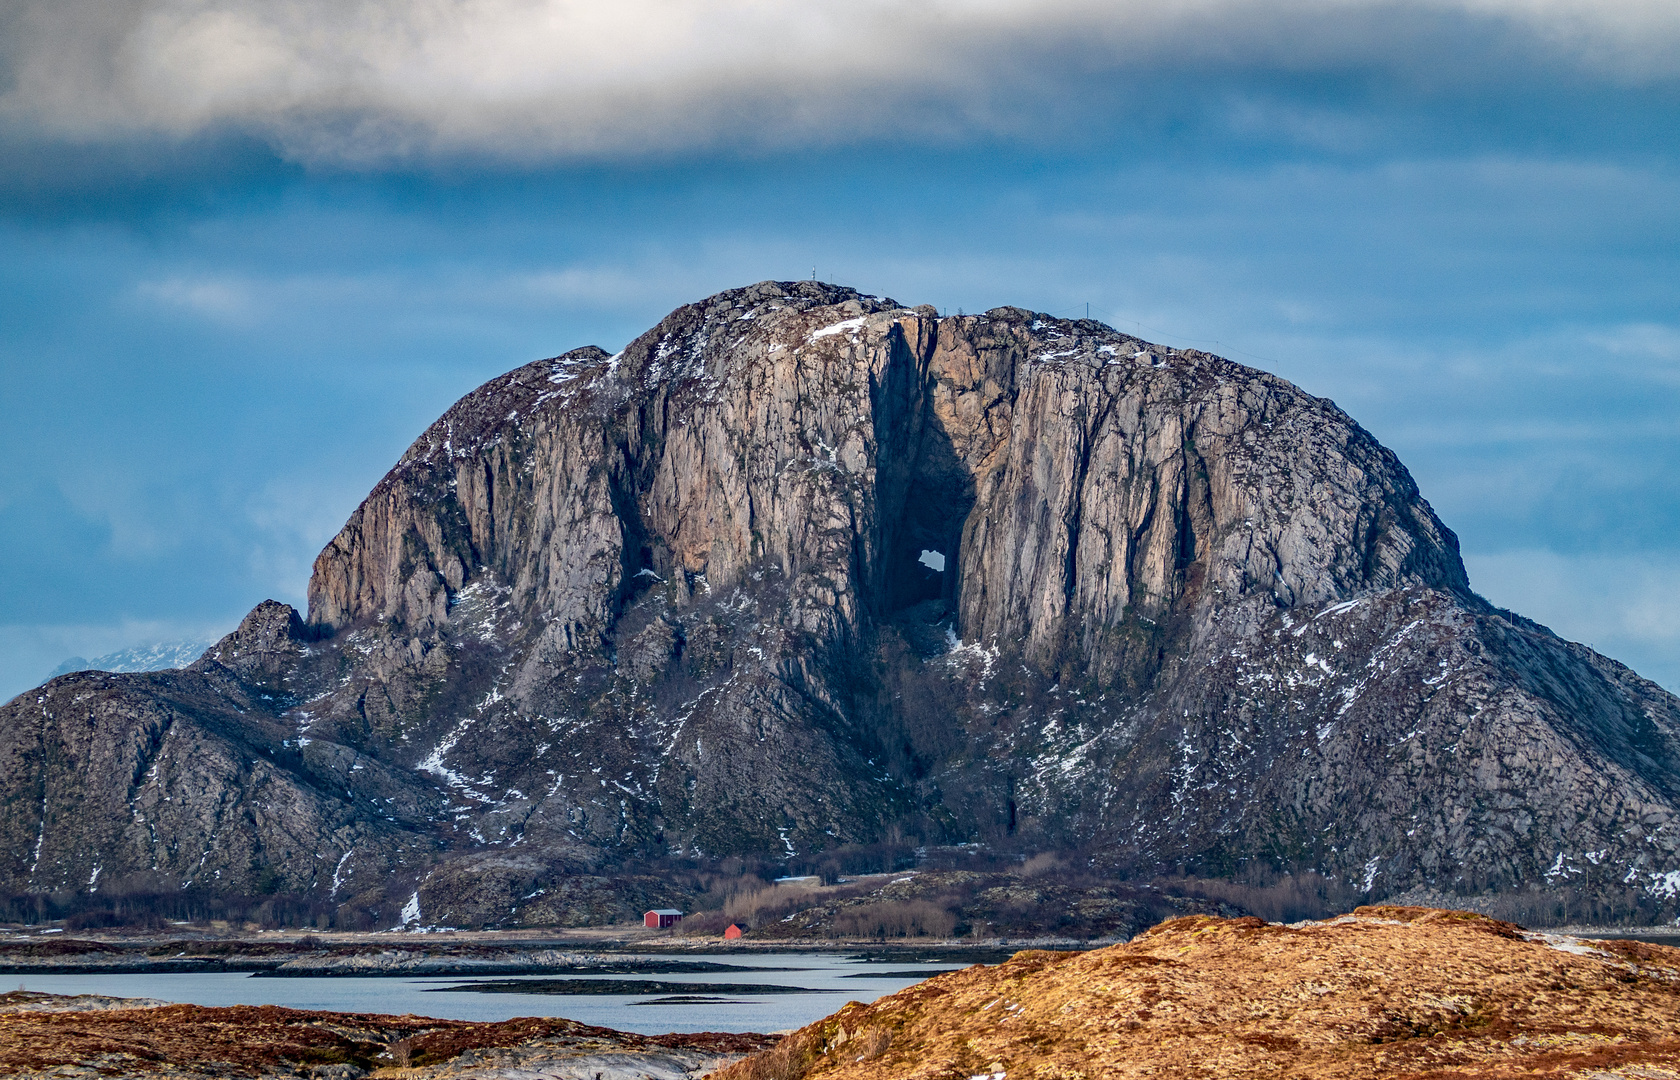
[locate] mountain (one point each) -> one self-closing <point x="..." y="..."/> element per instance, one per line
<point x="1389" y="992"/>
<point x="800" y="569"/>
<point x="156" y="656"/>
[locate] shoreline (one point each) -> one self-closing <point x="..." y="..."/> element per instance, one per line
<point x="280" y="954"/>
<point x="525" y="952"/>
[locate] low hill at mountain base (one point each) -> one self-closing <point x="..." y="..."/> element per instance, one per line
<point x="1391" y="992"/>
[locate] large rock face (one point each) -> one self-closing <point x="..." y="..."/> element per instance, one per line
<point x="801" y="567"/>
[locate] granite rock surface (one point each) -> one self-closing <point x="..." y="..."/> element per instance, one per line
<point x="800" y="568"/>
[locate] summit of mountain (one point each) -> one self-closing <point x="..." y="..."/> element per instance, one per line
<point x="801" y="569"/>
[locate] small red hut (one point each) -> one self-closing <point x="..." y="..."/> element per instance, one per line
<point x="733" y="932"/>
<point x="661" y="917"/>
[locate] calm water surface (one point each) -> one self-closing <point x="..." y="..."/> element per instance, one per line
<point x="421" y="994"/>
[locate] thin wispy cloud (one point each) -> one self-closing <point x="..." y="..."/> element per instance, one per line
<point x="215" y="298"/>
<point x="370" y="81"/>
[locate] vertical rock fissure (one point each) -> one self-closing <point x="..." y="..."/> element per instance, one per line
<point x="483" y="550"/>
<point x="146" y="752"/>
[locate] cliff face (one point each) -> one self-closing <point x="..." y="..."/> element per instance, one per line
<point x="800" y="566"/>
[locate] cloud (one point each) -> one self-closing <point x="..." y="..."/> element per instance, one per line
<point x="252" y="298"/>
<point x="221" y="299"/>
<point x="588" y="285"/>
<point x="1653" y="347"/>
<point x="289" y="520"/>
<point x="369" y="81"/>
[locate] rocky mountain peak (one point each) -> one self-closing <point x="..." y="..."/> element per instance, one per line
<point x="264" y="644"/>
<point x="800" y="568"/>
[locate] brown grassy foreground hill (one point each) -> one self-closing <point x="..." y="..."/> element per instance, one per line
<point x="1386" y="992"/>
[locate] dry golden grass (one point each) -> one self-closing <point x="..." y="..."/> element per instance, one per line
<point x="1386" y="993"/>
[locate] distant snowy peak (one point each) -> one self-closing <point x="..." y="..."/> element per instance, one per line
<point x="154" y="656"/>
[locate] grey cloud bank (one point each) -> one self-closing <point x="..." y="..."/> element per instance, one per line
<point x="374" y="81"/>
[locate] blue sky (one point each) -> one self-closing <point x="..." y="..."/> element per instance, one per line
<point x="248" y="251"/>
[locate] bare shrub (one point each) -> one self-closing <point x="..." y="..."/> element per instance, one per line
<point x="773" y="902"/>
<point x="1045" y="862"/>
<point x="855" y="860"/>
<point x="703" y="924"/>
<point x="789" y="1059"/>
<point x="402" y="1053"/>
<point x="1273" y="897"/>
<point x="874" y="1042"/>
<point x="755" y="904"/>
<point x="894" y="918"/>
<point x="1565" y="905"/>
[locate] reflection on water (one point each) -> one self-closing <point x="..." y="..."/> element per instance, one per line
<point x="430" y="995"/>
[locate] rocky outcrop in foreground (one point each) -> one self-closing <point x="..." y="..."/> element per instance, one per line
<point x="801" y="568"/>
<point x="1384" y="993"/>
<point x="68" y="1038"/>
